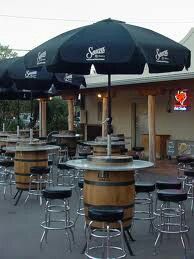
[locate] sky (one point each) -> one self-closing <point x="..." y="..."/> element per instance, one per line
<point x="26" y="24"/>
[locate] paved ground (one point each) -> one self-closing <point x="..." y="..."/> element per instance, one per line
<point x="20" y="230"/>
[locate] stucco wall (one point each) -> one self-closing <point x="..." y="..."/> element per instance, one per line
<point x="121" y="113"/>
<point x="180" y="125"/>
<point x="91" y="108"/>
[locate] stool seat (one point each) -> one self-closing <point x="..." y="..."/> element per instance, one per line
<point x="63" y="166"/>
<point x="39" y="170"/>
<point x="135" y="157"/>
<point x="42" y="138"/>
<point x="185" y="159"/>
<point x="144" y="187"/>
<point x="50" y="162"/>
<point x="191" y="164"/>
<point x="189" y="172"/>
<point x="81" y="183"/>
<point x="106" y="214"/>
<point x="161" y="185"/>
<point x="51" y="143"/>
<point x="57" y="192"/>
<point x="172" y="195"/>
<point x="138" y="149"/>
<point x="7" y="163"/>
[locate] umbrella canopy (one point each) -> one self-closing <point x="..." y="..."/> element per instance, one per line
<point x="40" y="80"/>
<point x="113" y="47"/>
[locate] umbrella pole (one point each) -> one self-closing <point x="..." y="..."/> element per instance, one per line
<point x="109" y="121"/>
<point x="18" y="115"/>
<point x="31" y="108"/>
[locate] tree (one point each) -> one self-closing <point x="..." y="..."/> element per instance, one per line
<point x="6" y="52"/>
<point x="57" y="114"/>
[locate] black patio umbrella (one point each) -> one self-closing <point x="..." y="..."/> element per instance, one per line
<point x="17" y="82"/>
<point x="113" y="47"/>
<point x="36" y="80"/>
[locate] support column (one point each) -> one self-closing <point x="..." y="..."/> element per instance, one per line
<point x="104" y="116"/>
<point x="42" y="118"/>
<point x="152" y="129"/>
<point x="70" y="114"/>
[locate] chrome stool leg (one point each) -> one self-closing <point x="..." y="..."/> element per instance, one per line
<point x="105" y="232"/>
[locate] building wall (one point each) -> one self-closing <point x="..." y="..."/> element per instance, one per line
<point x="91" y="108"/>
<point x="180" y="125"/>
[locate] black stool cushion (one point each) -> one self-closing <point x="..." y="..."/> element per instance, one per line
<point x="50" y="162"/>
<point x="185" y="159"/>
<point x="63" y="166"/>
<point x="39" y="170"/>
<point x="7" y="163"/>
<point x="189" y="172"/>
<point x="81" y="183"/>
<point x="42" y="138"/>
<point x="138" y="149"/>
<point x="161" y="185"/>
<point x="191" y="164"/>
<point x="57" y="192"/>
<point x="144" y="187"/>
<point x="135" y="157"/>
<point x="172" y="195"/>
<point x="104" y="213"/>
<point x="52" y="143"/>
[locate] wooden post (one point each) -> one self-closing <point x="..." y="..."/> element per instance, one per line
<point x="42" y="118"/>
<point x="70" y="114"/>
<point x="151" y="129"/>
<point x="104" y="116"/>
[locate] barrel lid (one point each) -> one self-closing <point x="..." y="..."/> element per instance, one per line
<point x="32" y="142"/>
<point x="95" y="165"/>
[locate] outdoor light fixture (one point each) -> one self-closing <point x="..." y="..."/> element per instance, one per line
<point x="99" y="95"/>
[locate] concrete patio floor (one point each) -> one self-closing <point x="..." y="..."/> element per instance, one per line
<point x="20" y="229"/>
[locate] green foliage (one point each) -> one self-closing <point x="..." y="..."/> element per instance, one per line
<point x="57" y="114"/>
<point x="6" y="52"/>
<point x="9" y="113"/>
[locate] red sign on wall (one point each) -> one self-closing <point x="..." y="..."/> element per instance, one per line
<point x="182" y="100"/>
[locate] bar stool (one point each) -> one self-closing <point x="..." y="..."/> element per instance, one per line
<point x="189" y="185"/>
<point x="65" y="175"/>
<point x="37" y="181"/>
<point x="172" y="220"/>
<point x="7" y="177"/>
<point x="5" y="180"/>
<point x="139" y="152"/>
<point x="80" y="210"/>
<point x="165" y="185"/>
<point x="106" y="215"/>
<point x="183" y="162"/>
<point x="147" y="213"/>
<point x="51" y="209"/>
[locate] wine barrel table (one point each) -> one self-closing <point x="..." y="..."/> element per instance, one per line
<point x="109" y="181"/>
<point x="12" y="141"/>
<point x="69" y="140"/>
<point x="28" y="155"/>
<point x="99" y="146"/>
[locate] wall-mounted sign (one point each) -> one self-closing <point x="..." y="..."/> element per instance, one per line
<point x="182" y="100"/>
